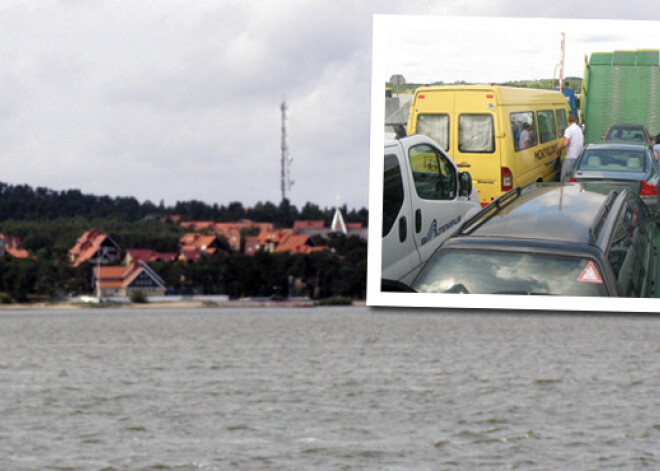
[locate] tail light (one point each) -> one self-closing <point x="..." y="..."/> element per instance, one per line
<point x="646" y="189"/>
<point x="507" y="179"/>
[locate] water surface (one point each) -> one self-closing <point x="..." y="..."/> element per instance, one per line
<point x="327" y="388"/>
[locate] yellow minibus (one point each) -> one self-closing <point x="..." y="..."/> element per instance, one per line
<point x="502" y="136"/>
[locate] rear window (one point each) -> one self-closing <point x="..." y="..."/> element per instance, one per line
<point x="493" y="272"/>
<point x="625" y="134"/>
<point x="475" y="133"/>
<point x="435" y="126"/>
<point x="613" y="160"/>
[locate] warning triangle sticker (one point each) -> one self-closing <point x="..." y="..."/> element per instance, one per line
<point x="590" y="274"/>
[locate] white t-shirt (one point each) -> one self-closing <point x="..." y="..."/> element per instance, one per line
<point x="575" y="141"/>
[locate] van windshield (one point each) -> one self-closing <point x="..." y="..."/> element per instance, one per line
<point x="435" y="126"/>
<point x="495" y="272"/>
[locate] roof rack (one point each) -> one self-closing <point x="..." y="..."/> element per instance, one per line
<point x="604" y="209"/>
<point x="489" y="211"/>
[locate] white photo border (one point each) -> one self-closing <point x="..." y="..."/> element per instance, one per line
<point x="384" y="24"/>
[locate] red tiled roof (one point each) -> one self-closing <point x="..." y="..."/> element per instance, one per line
<point x="86" y="246"/>
<point x="148" y="255"/>
<point x="17" y="253"/>
<point x="296" y="243"/>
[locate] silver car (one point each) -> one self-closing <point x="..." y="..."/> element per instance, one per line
<point x="622" y="164"/>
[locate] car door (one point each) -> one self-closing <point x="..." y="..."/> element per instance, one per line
<point x="400" y="258"/>
<point x="628" y="252"/>
<point x="434" y="197"/>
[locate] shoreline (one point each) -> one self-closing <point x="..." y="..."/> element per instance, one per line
<point x="239" y="304"/>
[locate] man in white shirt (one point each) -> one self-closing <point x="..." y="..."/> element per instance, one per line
<point x="573" y="142"/>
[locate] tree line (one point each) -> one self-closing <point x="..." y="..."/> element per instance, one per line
<point x="22" y="202"/>
<point x="574" y="83"/>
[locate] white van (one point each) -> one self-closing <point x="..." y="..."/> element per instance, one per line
<point x="425" y="199"/>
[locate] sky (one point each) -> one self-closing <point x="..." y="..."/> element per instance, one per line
<point x="486" y="50"/>
<point x="173" y="100"/>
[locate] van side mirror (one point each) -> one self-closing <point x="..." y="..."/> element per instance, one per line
<point x="464" y="184"/>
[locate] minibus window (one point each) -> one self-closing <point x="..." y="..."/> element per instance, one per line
<point x="435" y="126"/>
<point x="523" y="130"/>
<point x="561" y="122"/>
<point x="547" y="129"/>
<point x="475" y="133"/>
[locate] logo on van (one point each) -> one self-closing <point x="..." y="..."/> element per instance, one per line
<point x="546" y="152"/>
<point x="435" y="231"/>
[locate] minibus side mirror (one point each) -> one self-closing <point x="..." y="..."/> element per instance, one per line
<point x="464" y="184"/>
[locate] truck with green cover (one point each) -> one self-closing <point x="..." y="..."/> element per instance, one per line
<point x="620" y="87"/>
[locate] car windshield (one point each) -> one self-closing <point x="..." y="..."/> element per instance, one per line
<point x="613" y="160"/>
<point x="493" y="272"/>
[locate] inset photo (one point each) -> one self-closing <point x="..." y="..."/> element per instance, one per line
<point x="514" y="164"/>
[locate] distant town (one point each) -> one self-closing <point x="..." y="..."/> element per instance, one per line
<point x="61" y="245"/>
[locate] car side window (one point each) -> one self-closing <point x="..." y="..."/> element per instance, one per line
<point x="392" y="192"/>
<point x="623" y="253"/>
<point x="523" y="130"/>
<point x="433" y="174"/>
<point x="547" y="130"/>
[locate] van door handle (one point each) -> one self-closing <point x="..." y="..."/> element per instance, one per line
<point x="403" y="229"/>
<point x="463" y="165"/>
<point x="418" y="221"/>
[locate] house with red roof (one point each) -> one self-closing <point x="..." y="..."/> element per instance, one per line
<point x="279" y="241"/>
<point x="122" y="280"/>
<point x="230" y="231"/>
<point x="193" y="245"/>
<point x="251" y="245"/>
<point x="297" y="244"/>
<point x="94" y="246"/>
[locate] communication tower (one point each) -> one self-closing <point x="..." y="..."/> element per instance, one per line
<point x="285" y="175"/>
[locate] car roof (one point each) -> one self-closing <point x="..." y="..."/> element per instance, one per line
<point x="559" y="212"/>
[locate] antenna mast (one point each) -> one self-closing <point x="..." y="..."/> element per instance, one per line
<point x="285" y="175"/>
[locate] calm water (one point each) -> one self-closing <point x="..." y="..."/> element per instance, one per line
<point x="327" y="388"/>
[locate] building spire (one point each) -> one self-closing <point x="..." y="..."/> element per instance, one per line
<point x="338" y="224"/>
